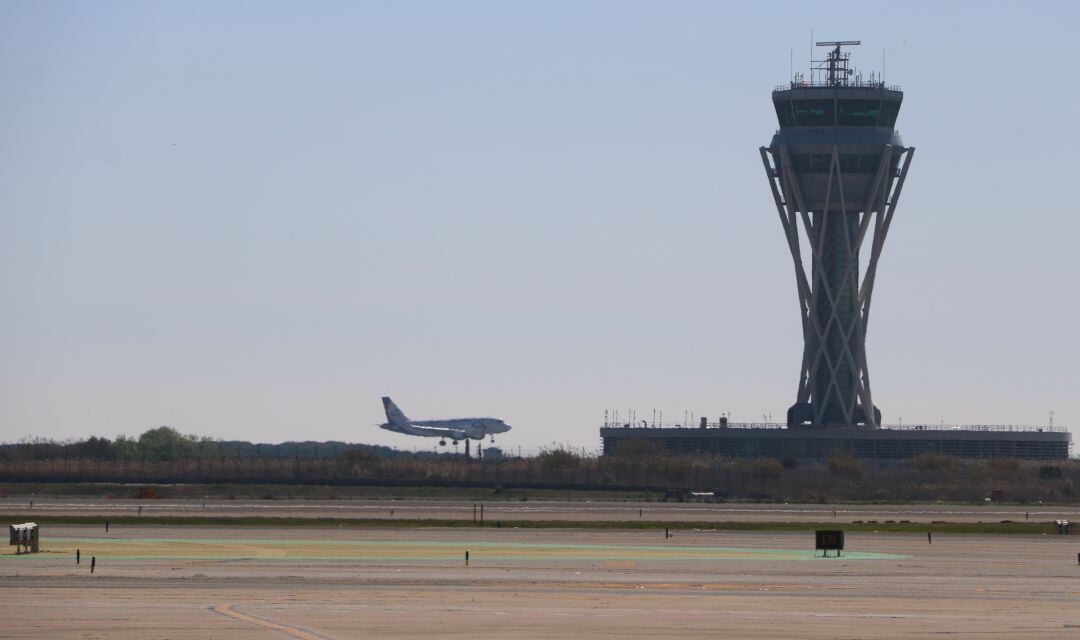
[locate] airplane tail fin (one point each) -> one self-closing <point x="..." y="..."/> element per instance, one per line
<point x="393" y="414"/>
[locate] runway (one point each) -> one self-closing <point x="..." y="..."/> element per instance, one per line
<point x="543" y="510"/>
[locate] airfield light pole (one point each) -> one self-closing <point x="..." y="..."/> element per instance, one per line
<point x="837" y="166"/>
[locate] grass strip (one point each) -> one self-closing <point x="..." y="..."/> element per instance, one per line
<point x="1033" y="528"/>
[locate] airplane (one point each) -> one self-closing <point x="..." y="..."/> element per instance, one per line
<point x="455" y="429"/>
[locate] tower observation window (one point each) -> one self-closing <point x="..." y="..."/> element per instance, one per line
<point x="783" y="113"/>
<point x="889" y="110"/>
<point x="859" y="163"/>
<point x="813" y="113"/>
<point x="857" y="113"/>
<point x="811" y="162"/>
<point x="849" y="162"/>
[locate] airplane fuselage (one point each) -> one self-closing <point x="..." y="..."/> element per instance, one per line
<point x="454" y="429"/>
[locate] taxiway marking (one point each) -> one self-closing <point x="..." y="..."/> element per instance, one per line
<point x="226" y="609"/>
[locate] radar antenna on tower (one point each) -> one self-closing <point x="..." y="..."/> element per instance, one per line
<point x="835" y="65"/>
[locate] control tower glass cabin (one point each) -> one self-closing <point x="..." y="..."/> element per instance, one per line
<point x="836" y="167"/>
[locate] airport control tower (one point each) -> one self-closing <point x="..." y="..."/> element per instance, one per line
<point x="836" y="167"/>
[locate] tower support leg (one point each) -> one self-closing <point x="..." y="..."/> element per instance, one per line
<point x="834" y="301"/>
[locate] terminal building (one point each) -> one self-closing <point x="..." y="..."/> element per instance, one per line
<point x="884" y="443"/>
<point x="836" y="167"/>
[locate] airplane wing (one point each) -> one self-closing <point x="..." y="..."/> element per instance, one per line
<point x="412" y="430"/>
<point x="438" y="424"/>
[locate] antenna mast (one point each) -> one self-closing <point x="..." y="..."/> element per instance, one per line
<point x="835" y="65"/>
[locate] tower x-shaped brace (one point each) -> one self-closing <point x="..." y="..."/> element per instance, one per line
<point x="820" y="382"/>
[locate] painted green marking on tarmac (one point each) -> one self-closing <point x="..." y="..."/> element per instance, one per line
<point x="402" y="543"/>
<point x="423" y="543"/>
<point x="456" y="557"/>
<point x="443" y="550"/>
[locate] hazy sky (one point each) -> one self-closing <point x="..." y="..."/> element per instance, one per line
<point x="252" y="220"/>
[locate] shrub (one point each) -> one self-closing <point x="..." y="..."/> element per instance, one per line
<point x="767" y="469"/>
<point x="558" y="459"/>
<point x="932" y="462"/>
<point x="357" y="456"/>
<point x="165" y="443"/>
<point x="1049" y="472"/>
<point x="999" y="467"/>
<point x="844" y="464"/>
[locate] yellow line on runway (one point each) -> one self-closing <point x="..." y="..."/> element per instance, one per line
<point x="226" y="609"/>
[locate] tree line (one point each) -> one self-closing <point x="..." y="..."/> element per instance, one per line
<point x="163" y="455"/>
<point x="165" y="443"/>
